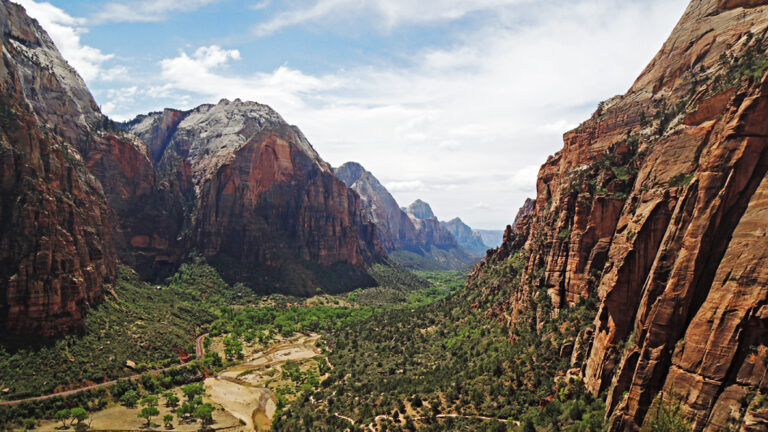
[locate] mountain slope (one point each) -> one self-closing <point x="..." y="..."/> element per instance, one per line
<point x="414" y="236"/>
<point x="656" y="205"/>
<point x="395" y="227"/>
<point x="232" y="181"/>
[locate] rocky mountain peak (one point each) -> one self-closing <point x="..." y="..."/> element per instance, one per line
<point x="420" y="210"/>
<point x="55" y="90"/>
<point x="465" y="236"/>
<point x="351" y="172"/>
<point x="208" y="135"/>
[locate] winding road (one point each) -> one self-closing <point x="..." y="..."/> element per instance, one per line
<point x="199" y="353"/>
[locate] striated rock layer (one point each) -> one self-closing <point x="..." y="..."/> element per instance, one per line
<point x="56" y="247"/>
<point x="657" y="206"/>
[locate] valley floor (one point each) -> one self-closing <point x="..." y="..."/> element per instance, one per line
<point x="411" y="354"/>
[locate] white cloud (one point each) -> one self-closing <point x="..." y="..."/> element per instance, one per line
<point x="386" y="14"/>
<point x="524" y="179"/>
<point x="405" y="186"/>
<point x="145" y="10"/>
<point x="261" y="5"/>
<point x="203" y="73"/>
<point x="65" y="30"/>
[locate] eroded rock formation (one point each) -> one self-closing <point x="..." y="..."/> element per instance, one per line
<point x="657" y="206"/>
<point x="260" y="195"/>
<point x="231" y="181"/>
<point x="56" y="247"/>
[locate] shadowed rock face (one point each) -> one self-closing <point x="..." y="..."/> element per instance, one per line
<point x="56" y="247"/>
<point x="657" y="206"/>
<point x="395" y="227"/>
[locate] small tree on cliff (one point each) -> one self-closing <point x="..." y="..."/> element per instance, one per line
<point x="666" y="415"/>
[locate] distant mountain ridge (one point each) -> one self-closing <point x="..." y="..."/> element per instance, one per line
<point x="491" y="238"/>
<point x="465" y="236"/>
<point x="413" y="235"/>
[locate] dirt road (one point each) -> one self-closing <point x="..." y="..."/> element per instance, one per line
<point x="199" y="352"/>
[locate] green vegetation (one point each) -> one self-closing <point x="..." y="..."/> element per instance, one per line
<point x="750" y="64"/>
<point x="407" y="367"/>
<point x="681" y="180"/>
<point x="666" y="415"/>
<point x="613" y="173"/>
<point x="436" y="259"/>
<point x="411" y="351"/>
<point x="667" y="113"/>
<point x="147" y="325"/>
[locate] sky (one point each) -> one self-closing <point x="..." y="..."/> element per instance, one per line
<point x="455" y="102"/>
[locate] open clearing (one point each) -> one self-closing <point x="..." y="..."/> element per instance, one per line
<point x="244" y="390"/>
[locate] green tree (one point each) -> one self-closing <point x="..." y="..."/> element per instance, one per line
<point x="184" y="411"/>
<point x="78" y="414"/>
<point x="171" y="400"/>
<point x="62" y="416"/>
<point x="192" y="390"/>
<point x="147" y="413"/>
<point x="168" y="421"/>
<point x="149" y="401"/>
<point x="130" y="398"/>
<point x="233" y="348"/>
<point x="205" y="413"/>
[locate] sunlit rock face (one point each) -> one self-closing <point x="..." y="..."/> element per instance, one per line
<point x="259" y="193"/>
<point x="657" y="205"/>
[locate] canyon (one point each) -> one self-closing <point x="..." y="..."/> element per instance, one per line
<point x="414" y="236"/>
<point x="651" y="222"/>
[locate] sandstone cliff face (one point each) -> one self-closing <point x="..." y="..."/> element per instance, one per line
<point x="231" y="180"/>
<point x="56" y="247"/>
<point x="261" y="196"/>
<point x="657" y="206"/>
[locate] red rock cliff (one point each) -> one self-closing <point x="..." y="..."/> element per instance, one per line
<point x="56" y="247"/>
<point x="263" y="205"/>
<point x="657" y="205"/>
